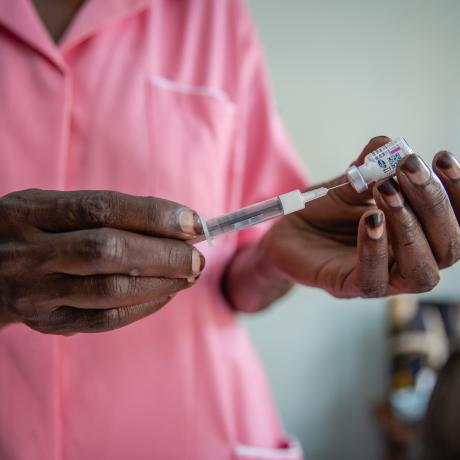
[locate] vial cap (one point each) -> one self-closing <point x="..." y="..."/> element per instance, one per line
<point x="356" y="179"/>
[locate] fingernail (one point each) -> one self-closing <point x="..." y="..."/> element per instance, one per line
<point x="449" y="165"/>
<point x="386" y="138"/>
<point x="390" y="193"/>
<point x="198" y="262"/>
<point x="190" y="222"/>
<point x="416" y="170"/>
<point x="374" y="225"/>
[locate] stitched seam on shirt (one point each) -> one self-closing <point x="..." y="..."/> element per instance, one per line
<point x="249" y="452"/>
<point x="206" y="91"/>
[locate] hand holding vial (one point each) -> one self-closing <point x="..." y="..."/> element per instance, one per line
<point x="351" y="245"/>
<point x="377" y="165"/>
<point x="392" y="237"/>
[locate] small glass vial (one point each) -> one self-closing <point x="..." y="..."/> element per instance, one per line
<point x="379" y="164"/>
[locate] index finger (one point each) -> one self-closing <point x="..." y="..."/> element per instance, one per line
<point x="55" y="211"/>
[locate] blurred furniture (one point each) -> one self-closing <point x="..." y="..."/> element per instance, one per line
<point x="422" y="334"/>
<point x="399" y="437"/>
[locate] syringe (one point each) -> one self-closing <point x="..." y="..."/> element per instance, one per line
<point x="379" y="164"/>
<point x="260" y="212"/>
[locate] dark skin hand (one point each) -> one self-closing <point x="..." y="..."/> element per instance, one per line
<point x="342" y="243"/>
<point x="394" y="239"/>
<point x="92" y="261"/>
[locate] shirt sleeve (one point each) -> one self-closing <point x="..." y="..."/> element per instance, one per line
<point x="268" y="163"/>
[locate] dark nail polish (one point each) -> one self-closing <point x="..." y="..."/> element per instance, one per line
<point x="390" y="193"/>
<point x="388" y="187"/>
<point x="416" y="170"/>
<point x="374" y="220"/>
<point x="449" y="164"/>
<point x="445" y="161"/>
<point x="374" y="225"/>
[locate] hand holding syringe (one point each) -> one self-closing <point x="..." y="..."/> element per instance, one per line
<point x="377" y="165"/>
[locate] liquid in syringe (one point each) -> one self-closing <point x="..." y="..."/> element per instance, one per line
<point x="260" y="212"/>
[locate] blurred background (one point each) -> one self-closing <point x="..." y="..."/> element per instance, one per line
<point x="344" y="72"/>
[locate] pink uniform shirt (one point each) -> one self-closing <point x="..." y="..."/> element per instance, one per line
<point x="149" y="97"/>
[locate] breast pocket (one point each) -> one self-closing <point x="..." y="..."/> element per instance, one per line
<point x="291" y="450"/>
<point x="191" y="135"/>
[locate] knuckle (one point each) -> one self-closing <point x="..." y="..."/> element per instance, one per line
<point x="372" y="289"/>
<point x="424" y="278"/>
<point x="451" y="253"/>
<point x="371" y="284"/>
<point x="113" y="286"/>
<point x="438" y="200"/>
<point x="95" y="209"/>
<point x="157" y="212"/>
<point x="408" y="229"/>
<point x="124" y="286"/>
<point x="98" y="286"/>
<point x="174" y="257"/>
<point x="103" y="287"/>
<point x="104" y="245"/>
<point x="408" y="225"/>
<point x="374" y="260"/>
<point x="17" y="204"/>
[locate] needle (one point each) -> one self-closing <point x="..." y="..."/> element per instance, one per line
<point x="337" y="186"/>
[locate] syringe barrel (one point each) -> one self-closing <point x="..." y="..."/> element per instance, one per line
<point x="244" y="218"/>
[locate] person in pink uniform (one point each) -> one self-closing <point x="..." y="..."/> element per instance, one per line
<point x="119" y="119"/>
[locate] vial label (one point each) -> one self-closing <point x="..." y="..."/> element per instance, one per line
<point x="379" y="164"/>
<point x="388" y="157"/>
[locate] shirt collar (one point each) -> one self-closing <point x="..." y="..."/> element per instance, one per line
<point x="94" y="14"/>
<point x="22" y="20"/>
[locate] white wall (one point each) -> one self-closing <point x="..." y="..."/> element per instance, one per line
<point x="343" y="72"/>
